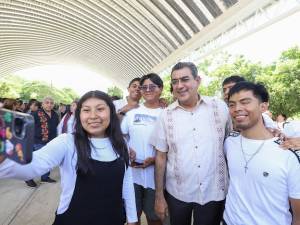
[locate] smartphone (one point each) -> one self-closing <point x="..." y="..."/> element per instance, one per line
<point x="137" y="162"/>
<point x="16" y="136"/>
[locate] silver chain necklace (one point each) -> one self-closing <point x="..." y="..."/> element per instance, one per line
<point x="252" y="156"/>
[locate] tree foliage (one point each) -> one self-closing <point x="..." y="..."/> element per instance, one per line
<point x="115" y="91"/>
<point x="282" y="78"/>
<point x="15" y="87"/>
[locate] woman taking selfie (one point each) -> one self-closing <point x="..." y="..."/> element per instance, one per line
<point x="93" y="162"/>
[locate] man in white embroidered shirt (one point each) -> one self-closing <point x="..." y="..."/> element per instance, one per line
<point x="189" y="140"/>
<point x="264" y="179"/>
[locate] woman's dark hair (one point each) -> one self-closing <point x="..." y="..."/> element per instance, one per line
<point x="113" y="132"/>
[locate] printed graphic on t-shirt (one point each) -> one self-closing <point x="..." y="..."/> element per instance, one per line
<point x="143" y="119"/>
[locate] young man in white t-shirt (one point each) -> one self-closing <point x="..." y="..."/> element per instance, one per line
<point x="132" y="100"/>
<point x="264" y="179"/>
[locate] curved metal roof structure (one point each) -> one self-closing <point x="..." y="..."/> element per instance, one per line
<point x="119" y="38"/>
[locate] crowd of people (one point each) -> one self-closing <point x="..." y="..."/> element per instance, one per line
<point x="200" y="158"/>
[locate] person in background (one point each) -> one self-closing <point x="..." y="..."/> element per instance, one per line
<point x="93" y="164"/>
<point x="62" y="110"/>
<point x="32" y="106"/>
<point x="20" y="106"/>
<point x="132" y="100"/>
<point x="10" y="104"/>
<point x="280" y="120"/>
<point x="228" y="83"/>
<point x="67" y="124"/>
<point x="138" y="125"/>
<point x="45" y="124"/>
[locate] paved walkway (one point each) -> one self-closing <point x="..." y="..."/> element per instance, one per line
<point x="21" y="205"/>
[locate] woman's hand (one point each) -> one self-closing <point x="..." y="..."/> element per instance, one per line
<point x="291" y="143"/>
<point x="132" y="155"/>
<point x="147" y="162"/>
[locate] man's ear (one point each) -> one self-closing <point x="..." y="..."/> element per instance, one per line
<point x="198" y="79"/>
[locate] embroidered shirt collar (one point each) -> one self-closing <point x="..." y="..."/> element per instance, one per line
<point x="202" y="99"/>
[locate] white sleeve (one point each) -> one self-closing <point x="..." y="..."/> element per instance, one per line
<point x="293" y="177"/>
<point x="269" y="123"/>
<point x="60" y="125"/>
<point x="158" y="137"/>
<point x="43" y="160"/>
<point x="129" y="197"/>
<point x="125" y="125"/>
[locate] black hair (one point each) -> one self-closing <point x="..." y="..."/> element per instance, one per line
<point x="113" y="132"/>
<point x="233" y="79"/>
<point x="189" y="65"/>
<point x="133" y="80"/>
<point x="31" y="102"/>
<point x="258" y="90"/>
<point x="154" y="78"/>
<point x="283" y="115"/>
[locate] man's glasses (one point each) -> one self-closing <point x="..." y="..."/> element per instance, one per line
<point x="150" y="87"/>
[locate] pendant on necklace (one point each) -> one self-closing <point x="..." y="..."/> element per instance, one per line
<point x="246" y="168"/>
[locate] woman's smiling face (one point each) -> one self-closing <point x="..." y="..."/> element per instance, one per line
<point x="95" y="117"/>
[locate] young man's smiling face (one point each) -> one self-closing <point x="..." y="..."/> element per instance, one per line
<point x="245" y="109"/>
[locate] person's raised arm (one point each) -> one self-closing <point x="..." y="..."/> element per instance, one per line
<point x="43" y="160"/>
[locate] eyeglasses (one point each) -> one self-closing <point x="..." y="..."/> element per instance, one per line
<point x="150" y="87"/>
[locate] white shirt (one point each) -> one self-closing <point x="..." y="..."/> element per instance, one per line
<point x="119" y="104"/>
<point x="196" y="168"/>
<point x="292" y="128"/>
<point x="269" y="122"/>
<point x="60" y="152"/>
<point x="260" y="196"/>
<point x="70" y="125"/>
<point x="138" y="125"/>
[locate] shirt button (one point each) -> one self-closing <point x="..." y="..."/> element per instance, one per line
<point x="192" y="113"/>
<point x="199" y="166"/>
<point x="194" y="129"/>
<point x="196" y="147"/>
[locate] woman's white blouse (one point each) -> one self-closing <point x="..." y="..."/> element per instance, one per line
<point x="61" y="152"/>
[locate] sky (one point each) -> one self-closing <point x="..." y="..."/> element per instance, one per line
<point x="265" y="46"/>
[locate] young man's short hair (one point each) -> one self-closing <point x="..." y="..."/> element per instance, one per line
<point x="258" y="90"/>
<point x="189" y="65"/>
<point x="233" y="79"/>
<point x="134" y="80"/>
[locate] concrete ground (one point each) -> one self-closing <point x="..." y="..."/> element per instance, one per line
<point x="21" y="205"/>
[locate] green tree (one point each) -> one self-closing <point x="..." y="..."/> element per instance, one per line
<point x="115" y="91"/>
<point x="283" y="82"/>
<point x="4" y="89"/>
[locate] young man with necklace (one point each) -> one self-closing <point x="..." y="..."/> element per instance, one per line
<point x="264" y="179"/>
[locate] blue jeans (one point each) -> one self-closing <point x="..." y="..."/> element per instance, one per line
<point x="37" y="147"/>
